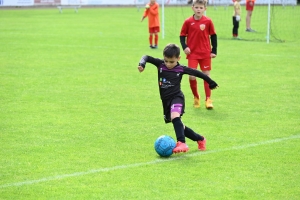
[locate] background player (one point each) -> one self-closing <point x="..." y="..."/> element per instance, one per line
<point x="249" y="9"/>
<point x="199" y="41"/>
<point x="236" y="18"/>
<point x="152" y="12"/>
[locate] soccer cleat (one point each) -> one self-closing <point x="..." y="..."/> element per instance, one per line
<point x="202" y="145"/>
<point x="180" y="147"/>
<point x="155" y="47"/>
<point x="236" y="38"/>
<point x="250" y="30"/>
<point x="196" y="102"/>
<point x="209" y="104"/>
<point x="151" y="47"/>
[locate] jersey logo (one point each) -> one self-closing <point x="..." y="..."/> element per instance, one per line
<point x="202" y="27"/>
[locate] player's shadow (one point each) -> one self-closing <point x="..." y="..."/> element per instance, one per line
<point x="213" y="114"/>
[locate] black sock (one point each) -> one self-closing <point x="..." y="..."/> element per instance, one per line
<point x="179" y="129"/>
<point x="189" y="133"/>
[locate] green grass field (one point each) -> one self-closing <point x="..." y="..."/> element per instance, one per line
<point x="78" y="121"/>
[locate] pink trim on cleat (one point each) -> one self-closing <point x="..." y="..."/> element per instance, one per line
<point x="180" y="147"/>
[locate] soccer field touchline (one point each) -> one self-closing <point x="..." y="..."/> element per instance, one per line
<point x="76" y="174"/>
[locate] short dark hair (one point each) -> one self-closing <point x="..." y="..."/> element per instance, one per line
<point x="172" y="50"/>
<point x="202" y="2"/>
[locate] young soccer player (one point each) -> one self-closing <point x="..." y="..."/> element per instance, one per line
<point x="170" y="74"/>
<point x="236" y="18"/>
<point x="249" y="9"/>
<point x="152" y="12"/>
<point x="198" y="39"/>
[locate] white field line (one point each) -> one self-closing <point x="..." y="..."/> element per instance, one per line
<point x="76" y="174"/>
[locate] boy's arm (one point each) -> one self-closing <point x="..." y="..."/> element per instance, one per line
<point x="145" y="14"/>
<point x="143" y="61"/>
<point x="214" y="43"/>
<point x="182" y="42"/>
<point x="199" y="74"/>
<point x="148" y="59"/>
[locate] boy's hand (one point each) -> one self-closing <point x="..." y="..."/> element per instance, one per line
<point x="212" y="55"/>
<point x="140" y="68"/>
<point x="187" y="51"/>
<point x="213" y="85"/>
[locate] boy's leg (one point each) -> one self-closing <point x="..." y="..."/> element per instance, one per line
<point x="179" y="130"/>
<point x="156" y="30"/>
<point x="193" y="83"/>
<point x="177" y="109"/>
<point x="156" y="40"/>
<point x="150" y="37"/>
<point x="235" y="27"/>
<point x="150" y="40"/>
<point x="205" y="65"/>
<point x="189" y="133"/>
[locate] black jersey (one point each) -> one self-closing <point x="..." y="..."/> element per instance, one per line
<point x="169" y="80"/>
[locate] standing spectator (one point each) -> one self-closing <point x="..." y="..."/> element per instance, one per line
<point x="236" y="18"/>
<point x="198" y="39"/>
<point x="249" y="9"/>
<point x="152" y="12"/>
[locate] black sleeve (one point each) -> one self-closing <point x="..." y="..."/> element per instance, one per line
<point x="182" y="42"/>
<point x="149" y="59"/>
<point x="199" y="74"/>
<point x="214" y="43"/>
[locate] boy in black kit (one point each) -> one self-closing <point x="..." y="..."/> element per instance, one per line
<point x="169" y="82"/>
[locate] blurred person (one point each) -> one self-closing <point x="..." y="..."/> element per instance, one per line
<point x="152" y="12"/>
<point x="236" y="18"/>
<point x="249" y="9"/>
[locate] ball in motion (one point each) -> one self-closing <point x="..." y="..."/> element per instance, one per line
<point x="164" y="145"/>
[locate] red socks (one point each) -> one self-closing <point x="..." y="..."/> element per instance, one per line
<point x="194" y="88"/>
<point x="193" y="85"/>
<point x="150" y="40"/>
<point x="207" y="90"/>
<point x="156" y="39"/>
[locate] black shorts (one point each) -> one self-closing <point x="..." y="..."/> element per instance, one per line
<point x="176" y="104"/>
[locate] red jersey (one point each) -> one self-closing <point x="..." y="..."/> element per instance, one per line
<point x="152" y="14"/>
<point x="198" y="36"/>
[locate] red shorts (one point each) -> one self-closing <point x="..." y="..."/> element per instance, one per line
<point x="154" y="29"/>
<point x="205" y="64"/>
<point x="250" y="5"/>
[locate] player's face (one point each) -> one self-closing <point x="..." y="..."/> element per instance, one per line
<point x="199" y="10"/>
<point x="152" y="2"/>
<point x="171" y="62"/>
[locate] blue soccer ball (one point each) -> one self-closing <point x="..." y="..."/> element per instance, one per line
<point x="164" y="145"/>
